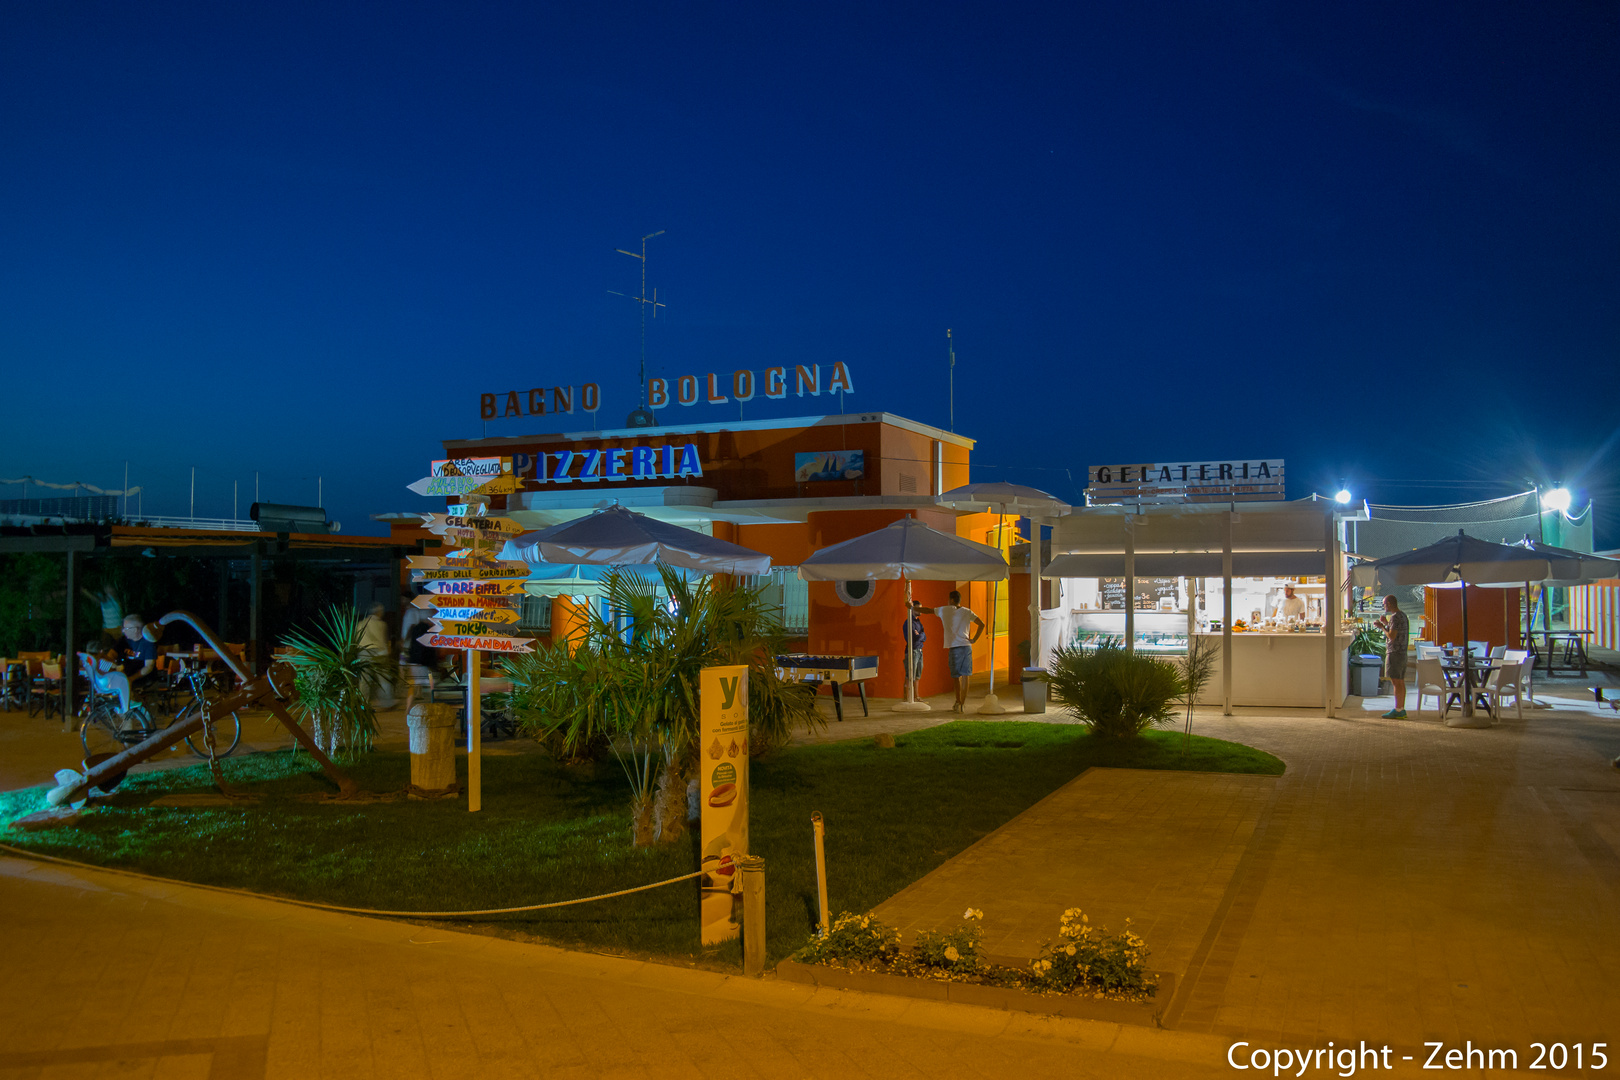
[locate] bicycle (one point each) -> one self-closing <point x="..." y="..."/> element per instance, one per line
<point x="107" y="729"/>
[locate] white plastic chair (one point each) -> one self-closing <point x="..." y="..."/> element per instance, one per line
<point x="1431" y="679"/>
<point x="1479" y="649"/>
<point x="1504" y="682"/>
<point x="1498" y="652"/>
<point x="1428" y="652"/>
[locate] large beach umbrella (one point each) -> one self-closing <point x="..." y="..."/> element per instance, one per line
<point x="906" y="549"/>
<point x="1000" y="497"/>
<point x="614" y="536"/>
<point x="1463" y="560"/>
<point x="1569" y="568"/>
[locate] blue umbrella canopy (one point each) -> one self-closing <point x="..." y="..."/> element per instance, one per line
<point x="614" y="536"/>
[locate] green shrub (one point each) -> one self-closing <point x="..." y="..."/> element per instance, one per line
<point x="956" y="952"/>
<point x="1087" y="957"/>
<point x="853" y="939"/>
<point x="1115" y="693"/>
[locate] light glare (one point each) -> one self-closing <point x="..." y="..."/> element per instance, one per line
<point x="1556" y="499"/>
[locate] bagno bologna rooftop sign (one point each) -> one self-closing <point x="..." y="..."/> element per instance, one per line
<point x="710" y="389"/>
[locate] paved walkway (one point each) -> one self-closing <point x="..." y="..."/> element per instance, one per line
<point x="1402" y="882"/>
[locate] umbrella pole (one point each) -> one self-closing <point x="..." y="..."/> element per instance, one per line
<point x="1468" y="671"/>
<point x="992" y="705"/>
<point x="911" y="704"/>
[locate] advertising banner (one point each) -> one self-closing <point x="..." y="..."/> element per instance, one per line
<point x="723" y="789"/>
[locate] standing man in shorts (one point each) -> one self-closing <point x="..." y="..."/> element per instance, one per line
<point x="962" y="629"/>
<point x="1396" y="629"/>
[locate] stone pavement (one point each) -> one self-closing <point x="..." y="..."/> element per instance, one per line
<point x="108" y="975"/>
<point x="1402" y="881"/>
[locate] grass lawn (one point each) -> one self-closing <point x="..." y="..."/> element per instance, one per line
<point x="549" y="832"/>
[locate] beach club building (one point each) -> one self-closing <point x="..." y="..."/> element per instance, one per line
<point x="784" y="487"/>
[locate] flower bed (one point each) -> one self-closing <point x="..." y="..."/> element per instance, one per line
<point x="1087" y="972"/>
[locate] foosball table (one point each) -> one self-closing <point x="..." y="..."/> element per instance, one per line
<point x="835" y="671"/>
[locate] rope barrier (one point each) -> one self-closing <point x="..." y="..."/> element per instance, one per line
<point x="25" y="853"/>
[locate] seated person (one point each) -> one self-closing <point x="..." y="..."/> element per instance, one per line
<point x="137" y="652"/>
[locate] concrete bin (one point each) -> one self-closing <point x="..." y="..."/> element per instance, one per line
<point x="1034" y="690"/>
<point x="433" y="749"/>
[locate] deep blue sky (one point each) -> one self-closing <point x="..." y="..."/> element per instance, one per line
<point x="1381" y="241"/>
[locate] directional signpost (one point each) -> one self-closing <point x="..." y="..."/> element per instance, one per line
<point x="474" y="595"/>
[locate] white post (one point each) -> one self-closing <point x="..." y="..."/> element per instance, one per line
<point x="474" y="723"/>
<point x="1226" y="620"/>
<point x="992" y="705"/>
<point x="1034" y="592"/>
<point x="1330" y="622"/>
<point x="911" y="704"/>
<point x="1130" y="585"/>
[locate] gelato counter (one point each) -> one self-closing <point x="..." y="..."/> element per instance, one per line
<point x="1279" y="668"/>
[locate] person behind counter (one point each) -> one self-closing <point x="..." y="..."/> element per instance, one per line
<point x="1396" y="628"/>
<point x="1290" y="606"/>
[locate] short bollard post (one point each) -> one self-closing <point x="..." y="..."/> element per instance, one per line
<point x="820" y="831"/>
<point x="433" y="750"/>
<point x="753" y="895"/>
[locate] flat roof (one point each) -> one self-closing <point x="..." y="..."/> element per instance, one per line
<point x="838" y="420"/>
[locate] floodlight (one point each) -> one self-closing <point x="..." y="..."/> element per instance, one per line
<point x="1556" y="499"/>
<point x="1342" y="497"/>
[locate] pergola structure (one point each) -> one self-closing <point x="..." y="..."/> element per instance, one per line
<point x="75" y="541"/>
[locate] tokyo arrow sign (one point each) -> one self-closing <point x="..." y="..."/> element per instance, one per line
<point x="487" y="644"/>
<point x="475" y="588"/>
<point x="466" y="485"/>
<point x="470" y="628"/>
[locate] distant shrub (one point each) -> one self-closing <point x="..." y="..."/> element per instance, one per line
<point x="1115" y="693"/>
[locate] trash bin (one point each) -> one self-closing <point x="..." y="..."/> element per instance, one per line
<point x="1034" y="690"/>
<point x="1364" y="674"/>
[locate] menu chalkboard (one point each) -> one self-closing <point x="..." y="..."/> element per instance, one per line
<point x="1150" y="593"/>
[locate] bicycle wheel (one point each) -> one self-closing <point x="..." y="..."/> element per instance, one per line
<point x="227" y="733"/>
<point x="100" y="732"/>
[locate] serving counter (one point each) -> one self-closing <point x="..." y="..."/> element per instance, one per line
<point x="1279" y="668"/>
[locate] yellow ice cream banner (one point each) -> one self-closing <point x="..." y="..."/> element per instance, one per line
<point x="723" y="788"/>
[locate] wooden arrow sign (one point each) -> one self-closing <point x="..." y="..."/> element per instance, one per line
<point x="491" y="525"/>
<point x="486" y="644"/>
<point x="454" y="609"/>
<point x="466" y="485"/>
<point x="436" y="562"/>
<point x="475" y="588"/>
<point x="469" y="573"/>
<point x="470" y="627"/>
<point x="465" y="602"/>
<point x="485" y="467"/>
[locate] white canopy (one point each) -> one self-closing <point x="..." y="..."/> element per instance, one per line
<point x="614" y="536"/>
<point x="906" y="549"/>
<point x="995" y="496"/>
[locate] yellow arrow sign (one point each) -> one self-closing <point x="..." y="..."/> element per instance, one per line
<point x="454" y="609"/>
<point x="469" y="573"/>
<point x="466" y="485"/>
<point x="438" y="522"/>
<point x="470" y="628"/>
<point x="465" y="601"/>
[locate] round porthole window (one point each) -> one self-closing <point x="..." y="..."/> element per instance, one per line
<point x="855" y="593"/>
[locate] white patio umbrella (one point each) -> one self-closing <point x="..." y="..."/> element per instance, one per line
<point x="999" y="497"/>
<point x="614" y="536"/>
<point x="1461" y="559"/>
<point x="906" y="549"/>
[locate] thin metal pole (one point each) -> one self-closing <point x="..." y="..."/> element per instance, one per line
<point x="255" y="487"/>
<point x="233" y="508"/>
<point x="752" y="869"/>
<point x="126" y="491"/>
<point x="950" y="349"/>
<point x="70" y="652"/>
<point x="820" y="832"/>
<point x="320" y="492"/>
<point x="194" y="493"/>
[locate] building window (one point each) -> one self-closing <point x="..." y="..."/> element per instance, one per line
<point x="855" y="593"/>
<point x="535" y="614"/>
<point x="789" y="595"/>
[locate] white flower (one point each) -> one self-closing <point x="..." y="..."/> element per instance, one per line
<point x="1069" y="950"/>
<point x="951" y="954"/>
<point x="972" y="913"/>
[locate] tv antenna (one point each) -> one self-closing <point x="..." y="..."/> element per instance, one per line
<point x="950" y="350"/>
<point x="645" y="303"/>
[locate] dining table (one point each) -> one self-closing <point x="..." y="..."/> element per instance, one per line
<point x="1462" y="677"/>
<point x="1574" y="648"/>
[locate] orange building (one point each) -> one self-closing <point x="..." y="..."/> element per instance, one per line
<point x="783" y="487"/>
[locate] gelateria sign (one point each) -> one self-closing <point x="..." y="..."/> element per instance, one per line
<point x="1238" y="480"/>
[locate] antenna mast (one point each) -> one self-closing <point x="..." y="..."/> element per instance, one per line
<point x="645" y="303"/>
<point x="950" y="348"/>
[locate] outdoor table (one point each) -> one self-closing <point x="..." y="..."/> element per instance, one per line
<point x="834" y="671"/>
<point x="1574" y="645"/>
<point x="1476" y="674"/>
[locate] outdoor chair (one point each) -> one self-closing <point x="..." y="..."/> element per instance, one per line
<point x="47" y="691"/>
<point x="1479" y="649"/>
<point x="1431" y="679"/>
<point x="1498" y="652"/>
<point x="1428" y="652"/>
<point x="1504" y="682"/>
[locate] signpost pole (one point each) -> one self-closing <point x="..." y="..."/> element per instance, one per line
<point x="474" y="725"/>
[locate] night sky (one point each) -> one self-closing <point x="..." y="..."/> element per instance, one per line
<point x="1381" y="241"/>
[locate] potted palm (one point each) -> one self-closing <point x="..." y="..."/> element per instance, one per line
<point x="336" y="678"/>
